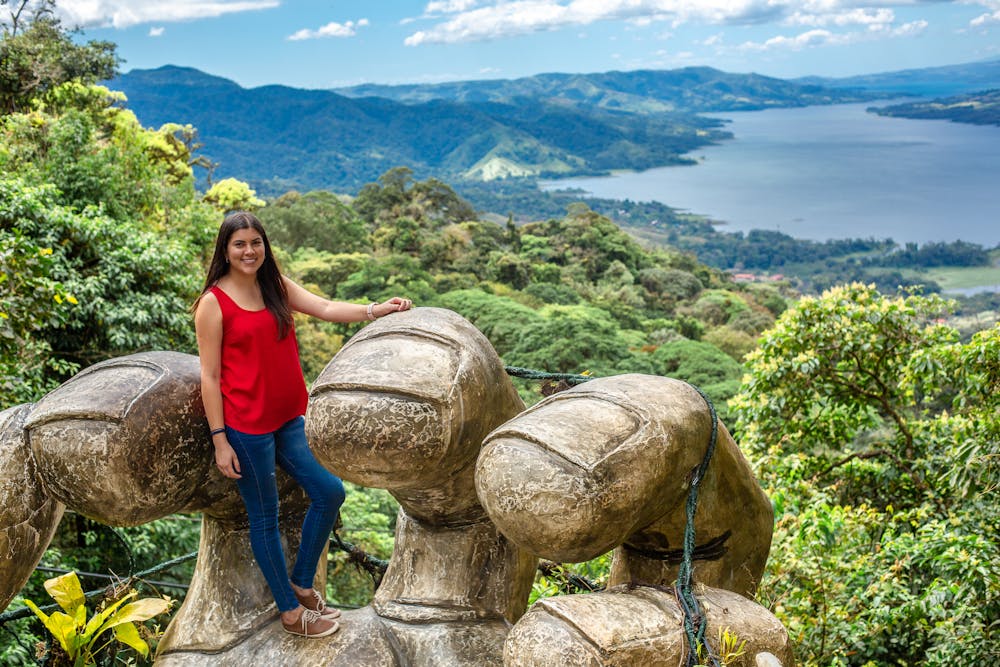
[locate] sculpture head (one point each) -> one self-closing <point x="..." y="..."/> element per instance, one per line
<point x="405" y="406"/>
<point x="575" y="475"/>
<point x="124" y="441"/>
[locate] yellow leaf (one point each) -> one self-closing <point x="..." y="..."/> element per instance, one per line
<point x="38" y="612"/>
<point x="128" y="634"/>
<point x="140" y="610"/>
<point x="59" y="624"/>
<point x="66" y="591"/>
<point x="72" y="299"/>
<point x="99" y="623"/>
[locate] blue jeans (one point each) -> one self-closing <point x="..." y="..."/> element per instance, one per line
<point x="257" y="455"/>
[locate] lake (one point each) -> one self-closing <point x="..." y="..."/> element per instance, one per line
<point x="833" y="172"/>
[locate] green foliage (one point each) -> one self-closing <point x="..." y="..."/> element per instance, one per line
<point x="41" y="56"/>
<point x="874" y="430"/>
<point x="671" y="284"/>
<point x="30" y="301"/>
<point x="980" y="108"/>
<point x="323" y="269"/>
<point x="318" y="342"/>
<point x="231" y="194"/>
<point x="500" y="318"/>
<point x="562" y="295"/>
<point x="129" y="284"/>
<point x="396" y="195"/>
<point x="385" y="276"/>
<point x="118" y="212"/>
<point x="78" y="637"/>
<point x="369" y="522"/>
<point x="585" y="244"/>
<point x="571" y="339"/>
<point x="557" y="580"/>
<point x="318" y="220"/>
<point x="718" y="307"/>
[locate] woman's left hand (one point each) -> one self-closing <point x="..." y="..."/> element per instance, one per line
<point x="394" y="305"/>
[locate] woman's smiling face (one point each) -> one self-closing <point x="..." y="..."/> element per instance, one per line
<point x="245" y="250"/>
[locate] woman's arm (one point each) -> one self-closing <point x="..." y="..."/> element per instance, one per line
<point x="208" y="328"/>
<point x="304" y="301"/>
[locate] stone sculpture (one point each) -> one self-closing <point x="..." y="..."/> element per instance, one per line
<point x="406" y="405"/>
<point x="606" y="465"/>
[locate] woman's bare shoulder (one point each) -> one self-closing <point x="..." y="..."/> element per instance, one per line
<point x="208" y="305"/>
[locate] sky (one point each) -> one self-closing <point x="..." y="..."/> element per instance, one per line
<point x="336" y="43"/>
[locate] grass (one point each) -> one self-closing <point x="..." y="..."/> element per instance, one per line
<point x="949" y="277"/>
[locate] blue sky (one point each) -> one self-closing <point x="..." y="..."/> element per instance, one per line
<point x="325" y="44"/>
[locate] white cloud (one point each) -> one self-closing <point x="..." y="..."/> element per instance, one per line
<point x="823" y="37"/>
<point x="126" y="13"/>
<point x="911" y="28"/>
<point x="470" y="21"/>
<point x="449" y="6"/>
<point x="332" y="29"/>
<point x="817" y="37"/>
<point x="156" y="32"/>
<point x="984" y="19"/>
<point x="867" y="16"/>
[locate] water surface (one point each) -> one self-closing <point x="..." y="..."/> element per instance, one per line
<point x="833" y="172"/>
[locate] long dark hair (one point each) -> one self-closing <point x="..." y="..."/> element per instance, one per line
<point x="268" y="275"/>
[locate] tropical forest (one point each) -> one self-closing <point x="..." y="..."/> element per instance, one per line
<point x="867" y="402"/>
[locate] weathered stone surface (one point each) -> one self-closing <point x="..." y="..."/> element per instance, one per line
<point x="28" y="515"/>
<point x="729" y="499"/>
<point x="608" y="463"/>
<point x="640" y="626"/>
<point x="405" y="405"/>
<point x="454" y="574"/>
<point x="124" y="441"/>
<point x="365" y="639"/>
<point x="229" y="600"/>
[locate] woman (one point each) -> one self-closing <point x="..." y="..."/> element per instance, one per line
<point x="255" y="397"/>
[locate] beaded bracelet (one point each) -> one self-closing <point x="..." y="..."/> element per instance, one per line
<point x="371" y="310"/>
<point x="217" y="431"/>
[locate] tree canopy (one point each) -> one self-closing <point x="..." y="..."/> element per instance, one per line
<point x="875" y="431"/>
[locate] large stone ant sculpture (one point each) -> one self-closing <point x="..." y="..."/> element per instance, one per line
<point x="407" y="405"/>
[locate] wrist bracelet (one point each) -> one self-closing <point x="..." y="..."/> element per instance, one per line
<point x="371" y="310"/>
<point x="217" y="431"/>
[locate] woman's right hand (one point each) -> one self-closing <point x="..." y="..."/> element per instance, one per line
<point x="225" y="458"/>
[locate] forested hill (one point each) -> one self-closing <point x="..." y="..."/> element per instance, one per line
<point x="691" y="89"/>
<point x="979" y="109"/>
<point x="936" y="81"/>
<point x="281" y="138"/>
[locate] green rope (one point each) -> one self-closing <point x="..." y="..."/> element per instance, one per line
<point x="695" y="622"/>
<point x="532" y="374"/>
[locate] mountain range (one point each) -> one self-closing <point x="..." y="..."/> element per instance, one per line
<point x="946" y="80"/>
<point x="280" y="138"/>
<point x="690" y="90"/>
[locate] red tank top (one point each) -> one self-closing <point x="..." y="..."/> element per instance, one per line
<point x="261" y="376"/>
